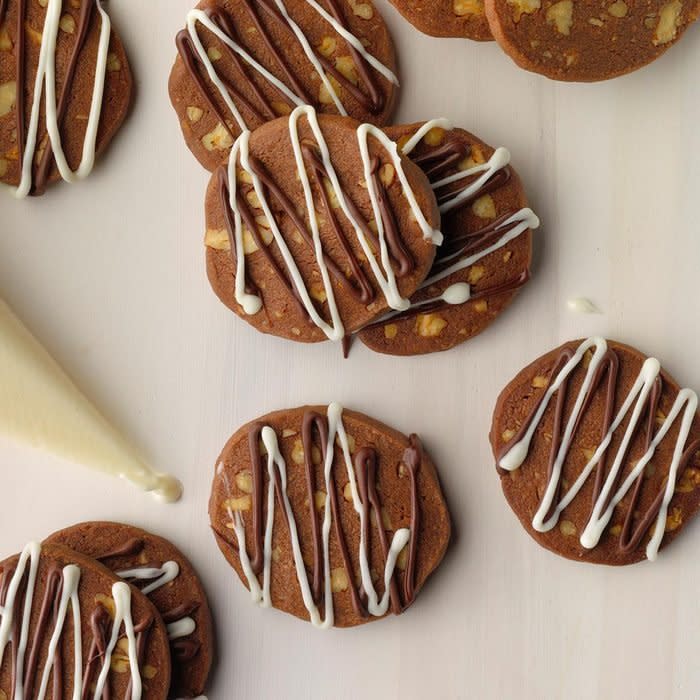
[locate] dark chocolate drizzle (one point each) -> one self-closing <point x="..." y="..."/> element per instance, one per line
<point x="20" y="57"/>
<point x="130" y="548"/>
<point x="48" y="612"/>
<point x="369" y="96"/>
<point x="632" y="534"/>
<point x="314" y="431"/>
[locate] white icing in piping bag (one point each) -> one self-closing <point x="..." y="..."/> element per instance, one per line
<point x="41" y="406"/>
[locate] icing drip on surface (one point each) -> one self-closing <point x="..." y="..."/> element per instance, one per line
<point x="581" y="305"/>
<point x="642" y="400"/>
<point x="387" y="239"/>
<point x="288" y="89"/>
<point x="18" y="589"/>
<point x="55" y="105"/>
<point x="361" y="473"/>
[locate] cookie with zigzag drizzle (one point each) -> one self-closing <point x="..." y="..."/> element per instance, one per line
<point x="317" y="225"/>
<point x="242" y="63"/>
<point x="485" y="259"/>
<point x="54" y="124"/>
<point x="598" y="449"/>
<point x="329" y="515"/>
<point x="70" y="628"/>
<point x="163" y="573"/>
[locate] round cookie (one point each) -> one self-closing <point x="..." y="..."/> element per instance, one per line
<point x="488" y="243"/>
<point x="242" y="63"/>
<point x="166" y="576"/>
<point x="573" y="435"/>
<point x="447" y="18"/>
<point x="45" y="593"/>
<point x="587" y="41"/>
<point x="90" y="66"/>
<point x="375" y="212"/>
<point x="381" y="508"/>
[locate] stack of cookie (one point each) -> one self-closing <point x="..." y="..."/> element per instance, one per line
<point x="582" y="41"/>
<point x="321" y="224"/>
<point x="103" y="608"/>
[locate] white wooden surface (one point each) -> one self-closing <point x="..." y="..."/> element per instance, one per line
<point x="110" y="275"/>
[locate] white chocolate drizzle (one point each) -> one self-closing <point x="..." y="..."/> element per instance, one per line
<point x="523" y="220"/>
<point x="46" y="79"/>
<point x="159" y="577"/>
<point x="196" y="16"/>
<point x="382" y="269"/>
<point x="28" y="565"/>
<point x="686" y="403"/>
<point x="276" y="466"/>
<point x="499" y="160"/>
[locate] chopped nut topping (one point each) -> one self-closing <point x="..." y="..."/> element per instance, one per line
<point x="669" y="21"/>
<point x="391" y="331"/>
<point x="462" y="8"/>
<point x="8" y="95"/>
<point x="194" y="114"/>
<point x="435" y="136"/>
<point x="328" y="46"/>
<point x="339" y="581"/>
<point x="618" y="9"/>
<point x="67" y="24"/>
<point x="244" y="481"/>
<point x="217" y="239"/>
<point x="430" y="325"/>
<point x="674" y="520"/>
<point x="217" y="139"/>
<point x="561" y="15"/>
<point x="567" y="528"/>
<point x="524" y="7"/>
<point x="238" y="504"/>
<point x="485" y="207"/>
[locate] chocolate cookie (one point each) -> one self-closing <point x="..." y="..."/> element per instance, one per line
<point x="47" y="595"/>
<point x="599" y="452"/>
<point x="165" y="575"/>
<point x="329" y="515"/>
<point x="485" y="258"/>
<point x="587" y="40"/>
<point x="65" y="88"/>
<point x="447" y="18"/>
<point x="317" y="226"/>
<point x="242" y="63"/>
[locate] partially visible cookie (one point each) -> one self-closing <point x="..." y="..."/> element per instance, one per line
<point x="48" y="592"/>
<point x="447" y="18"/>
<point x="485" y="258"/>
<point x="329" y="515"/>
<point x="92" y="89"/>
<point x="588" y="40"/>
<point x="165" y="575"/>
<point x="598" y="450"/>
<point x="318" y="225"/>
<point x="242" y="63"/>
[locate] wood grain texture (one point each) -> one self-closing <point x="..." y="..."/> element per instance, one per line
<point x="110" y="274"/>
